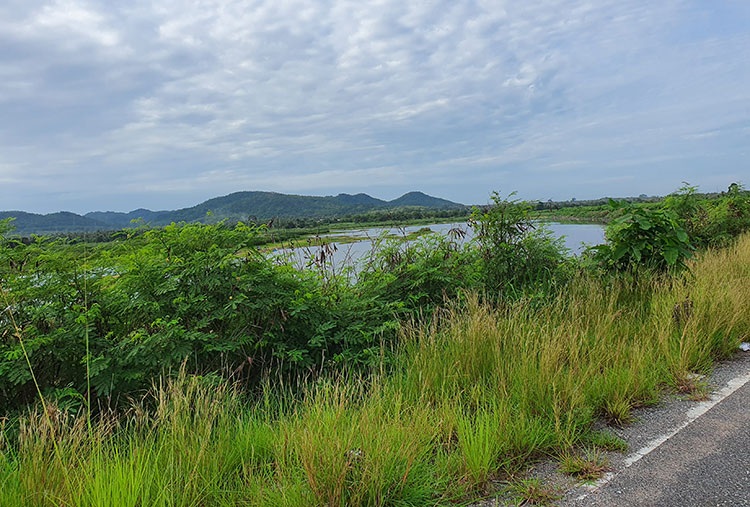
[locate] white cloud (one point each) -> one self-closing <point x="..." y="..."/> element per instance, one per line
<point x="306" y="96"/>
<point x="77" y="18"/>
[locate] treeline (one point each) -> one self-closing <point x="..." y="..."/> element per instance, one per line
<point x="603" y="202"/>
<point x="396" y="215"/>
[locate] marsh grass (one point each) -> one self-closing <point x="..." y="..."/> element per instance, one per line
<point x="479" y="392"/>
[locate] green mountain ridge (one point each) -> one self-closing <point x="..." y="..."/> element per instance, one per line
<point x="246" y="205"/>
<point x="61" y="221"/>
<point x="420" y="199"/>
<point x="115" y="217"/>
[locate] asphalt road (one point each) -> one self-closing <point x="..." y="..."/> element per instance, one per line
<point x="705" y="464"/>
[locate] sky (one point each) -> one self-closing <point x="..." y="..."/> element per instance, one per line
<point x="163" y="104"/>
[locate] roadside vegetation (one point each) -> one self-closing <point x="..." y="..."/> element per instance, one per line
<point x="179" y="366"/>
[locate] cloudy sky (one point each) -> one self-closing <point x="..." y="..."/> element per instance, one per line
<point x="165" y="103"/>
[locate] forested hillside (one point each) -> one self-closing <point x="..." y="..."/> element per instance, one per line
<point x="238" y="206"/>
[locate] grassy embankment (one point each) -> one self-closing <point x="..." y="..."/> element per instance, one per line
<point x="474" y="396"/>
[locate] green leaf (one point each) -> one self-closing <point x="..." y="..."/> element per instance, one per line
<point x="670" y="255"/>
<point x="619" y="251"/>
<point x="643" y="222"/>
<point x="636" y="253"/>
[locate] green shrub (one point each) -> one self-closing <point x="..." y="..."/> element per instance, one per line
<point x="123" y="315"/>
<point x="415" y="277"/>
<point x="519" y="257"/>
<point x="641" y="236"/>
<point x="712" y="222"/>
<point x="120" y="315"/>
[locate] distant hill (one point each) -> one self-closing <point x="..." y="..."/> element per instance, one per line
<point x="119" y="220"/>
<point x="236" y="206"/>
<point x="62" y="221"/>
<point x="267" y="205"/>
<point x="420" y="199"/>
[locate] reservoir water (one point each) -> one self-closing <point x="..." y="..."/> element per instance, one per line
<point x="576" y="237"/>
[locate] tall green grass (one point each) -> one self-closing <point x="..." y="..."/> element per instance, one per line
<point x="477" y="393"/>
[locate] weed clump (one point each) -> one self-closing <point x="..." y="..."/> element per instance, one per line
<point x="588" y="466"/>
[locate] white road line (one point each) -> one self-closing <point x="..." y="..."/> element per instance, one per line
<point x="691" y="415"/>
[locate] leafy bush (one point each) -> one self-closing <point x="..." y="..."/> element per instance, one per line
<point x="6" y="226"/>
<point x="122" y="315"/>
<point x="641" y="236"/>
<point x="202" y="292"/>
<point x="712" y="222"/>
<point x="518" y="255"/>
<point x="416" y="276"/>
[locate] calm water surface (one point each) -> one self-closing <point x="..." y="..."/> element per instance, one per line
<point x="576" y="237"/>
